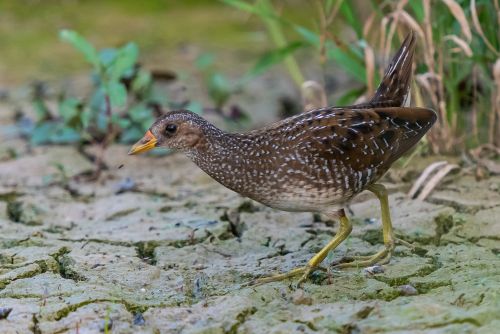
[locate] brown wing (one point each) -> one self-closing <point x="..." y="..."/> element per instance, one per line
<point x="368" y="138"/>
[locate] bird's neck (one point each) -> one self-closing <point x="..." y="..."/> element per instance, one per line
<point x="223" y="156"/>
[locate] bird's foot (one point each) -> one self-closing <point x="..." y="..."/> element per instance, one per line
<point x="381" y="257"/>
<point x="304" y="273"/>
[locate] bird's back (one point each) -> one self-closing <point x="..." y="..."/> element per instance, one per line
<point x="322" y="158"/>
<point x="327" y="156"/>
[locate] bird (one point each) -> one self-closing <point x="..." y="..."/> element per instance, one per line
<point x="317" y="161"/>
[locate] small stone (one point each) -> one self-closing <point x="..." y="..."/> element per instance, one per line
<point x="299" y="297"/>
<point x="125" y="185"/>
<point x="370" y="221"/>
<point x="139" y="319"/>
<point x="143" y="290"/>
<point x="4" y="312"/>
<point x="494" y="187"/>
<point x="373" y="270"/>
<point x="407" y="290"/>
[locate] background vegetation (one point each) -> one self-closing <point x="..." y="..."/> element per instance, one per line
<point x="457" y="70"/>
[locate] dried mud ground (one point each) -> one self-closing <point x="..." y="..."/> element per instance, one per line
<point x="158" y="247"/>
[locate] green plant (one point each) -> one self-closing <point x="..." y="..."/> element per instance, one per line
<point x="121" y="106"/>
<point x="93" y="119"/>
<point x="124" y="100"/>
<point x="348" y="56"/>
<point x="459" y="46"/>
<point x="220" y="88"/>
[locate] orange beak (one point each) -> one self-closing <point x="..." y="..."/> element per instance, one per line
<point x="147" y="143"/>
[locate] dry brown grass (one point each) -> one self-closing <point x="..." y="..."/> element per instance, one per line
<point x="449" y="135"/>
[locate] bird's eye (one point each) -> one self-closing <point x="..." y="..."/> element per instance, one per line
<point x="170" y="129"/>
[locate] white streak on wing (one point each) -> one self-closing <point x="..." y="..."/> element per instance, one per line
<point x="403" y="53"/>
<point x="407" y="99"/>
<point x="369" y="171"/>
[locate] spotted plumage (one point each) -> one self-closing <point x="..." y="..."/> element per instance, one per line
<point x="316" y="161"/>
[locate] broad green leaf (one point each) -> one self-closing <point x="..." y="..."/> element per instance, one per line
<point x="132" y="135"/>
<point x="41" y="133"/>
<point x="108" y="56"/>
<point x="139" y="112"/>
<point x="97" y="100"/>
<point x="122" y="123"/>
<point x="85" y="116"/>
<point x="124" y="62"/>
<point x="117" y="94"/>
<point x="204" y="61"/>
<point x="142" y="81"/>
<point x="64" y="135"/>
<point x="53" y="133"/>
<point x="81" y="44"/>
<point x="42" y="112"/>
<point x="272" y="58"/>
<point x="218" y="88"/>
<point x="69" y="108"/>
<point x="101" y="121"/>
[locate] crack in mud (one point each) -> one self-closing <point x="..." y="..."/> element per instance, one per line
<point x="146" y="251"/>
<point x="38" y="267"/>
<point x="402" y="280"/>
<point x="459" y="207"/>
<point x="241" y="318"/>
<point x="35" y="328"/>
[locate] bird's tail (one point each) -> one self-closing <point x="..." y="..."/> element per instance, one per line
<point x="394" y="90"/>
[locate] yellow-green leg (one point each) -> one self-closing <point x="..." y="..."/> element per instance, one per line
<point x="345" y="229"/>
<point x="384" y="255"/>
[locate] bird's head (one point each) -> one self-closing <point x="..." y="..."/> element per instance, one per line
<point x="180" y="130"/>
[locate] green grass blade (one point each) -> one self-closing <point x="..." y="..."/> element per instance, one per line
<point x="354" y="22"/>
<point x="272" y="58"/>
<point x="348" y="61"/>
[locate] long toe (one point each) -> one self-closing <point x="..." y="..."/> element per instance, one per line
<point x="404" y="243"/>
<point x="381" y="257"/>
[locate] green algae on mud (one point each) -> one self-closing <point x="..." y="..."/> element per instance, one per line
<point x="184" y="268"/>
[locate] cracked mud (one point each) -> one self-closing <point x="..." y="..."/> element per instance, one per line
<point x="173" y="254"/>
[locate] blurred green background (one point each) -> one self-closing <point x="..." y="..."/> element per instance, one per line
<point x="163" y="29"/>
<point x="246" y="60"/>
